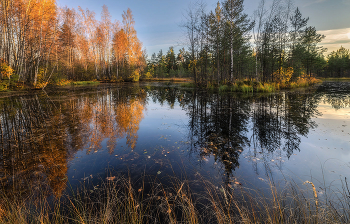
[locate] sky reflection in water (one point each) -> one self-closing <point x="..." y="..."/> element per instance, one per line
<point x="268" y="139"/>
<point x="161" y="131"/>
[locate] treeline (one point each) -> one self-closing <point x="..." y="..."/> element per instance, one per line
<point x="224" y="45"/>
<point x="338" y="64"/>
<point x="40" y="42"/>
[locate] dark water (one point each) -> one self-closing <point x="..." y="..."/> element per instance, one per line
<point x="63" y="138"/>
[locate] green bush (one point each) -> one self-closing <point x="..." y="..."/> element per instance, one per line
<point x="3" y="85"/>
<point x="246" y="89"/>
<point x="223" y="88"/>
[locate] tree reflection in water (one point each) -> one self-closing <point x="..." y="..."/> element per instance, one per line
<point x="39" y="135"/>
<point x="336" y="94"/>
<point x="225" y="125"/>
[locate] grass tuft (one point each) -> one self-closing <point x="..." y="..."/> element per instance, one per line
<point x="78" y="83"/>
<point x="118" y="201"/>
<point x="188" y="85"/>
<point x="223" y="88"/>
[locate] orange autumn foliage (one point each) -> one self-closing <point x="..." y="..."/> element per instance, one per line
<point x="37" y="38"/>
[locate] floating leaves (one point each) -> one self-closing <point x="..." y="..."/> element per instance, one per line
<point x="111" y="178"/>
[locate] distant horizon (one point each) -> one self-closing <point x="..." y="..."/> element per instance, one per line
<point x="157" y="23"/>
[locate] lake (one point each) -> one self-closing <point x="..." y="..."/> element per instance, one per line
<point x="61" y="139"/>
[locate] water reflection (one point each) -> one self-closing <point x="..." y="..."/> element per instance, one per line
<point x="33" y="146"/>
<point x="42" y="134"/>
<point x="225" y="125"/>
<point x="336" y="94"/>
<point x="218" y="125"/>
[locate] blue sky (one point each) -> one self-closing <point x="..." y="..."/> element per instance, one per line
<point x="157" y="21"/>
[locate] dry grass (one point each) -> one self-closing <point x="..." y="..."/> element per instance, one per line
<point x="336" y="79"/>
<point x="167" y="79"/>
<point x="118" y="201"/>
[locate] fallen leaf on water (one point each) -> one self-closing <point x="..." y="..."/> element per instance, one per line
<point x="159" y="172"/>
<point x="111" y="178"/>
<point x="262" y="179"/>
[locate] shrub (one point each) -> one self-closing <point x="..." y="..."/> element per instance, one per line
<point x="135" y="76"/>
<point x="3" y="86"/>
<point x="234" y="87"/>
<point x="223" y="88"/>
<point x="148" y="75"/>
<point x="6" y="70"/>
<point x="246" y="89"/>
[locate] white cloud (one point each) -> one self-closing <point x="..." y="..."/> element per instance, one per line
<point x="335" y="39"/>
<point x="313" y="2"/>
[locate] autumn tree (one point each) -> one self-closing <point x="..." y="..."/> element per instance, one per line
<point x="119" y="48"/>
<point x="28" y="36"/>
<point x="67" y="38"/>
<point x="134" y="47"/>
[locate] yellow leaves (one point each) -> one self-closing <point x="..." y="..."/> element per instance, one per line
<point x="64" y="82"/>
<point x="111" y="178"/>
<point x="283" y="75"/>
<point x="120" y="44"/>
<point x="135" y="76"/>
<point x="41" y="12"/>
<point x="192" y="64"/>
<point x="148" y="75"/>
<point x="5" y="70"/>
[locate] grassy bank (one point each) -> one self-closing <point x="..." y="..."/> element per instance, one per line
<point x="344" y="79"/>
<point x="7" y="86"/>
<point x="246" y="86"/>
<point x="64" y="82"/>
<point x="118" y="201"/>
<point x="166" y="79"/>
<point x="250" y="86"/>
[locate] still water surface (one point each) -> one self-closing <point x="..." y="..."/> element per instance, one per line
<point x="59" y="139"/>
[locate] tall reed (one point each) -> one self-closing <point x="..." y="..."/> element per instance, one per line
<point x="120" y="201"/>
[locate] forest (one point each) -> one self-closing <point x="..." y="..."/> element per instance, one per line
<point x="42" y="44"/>
<point x="225" y="45"/>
